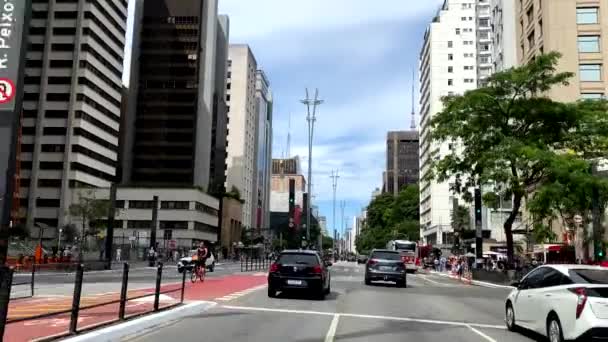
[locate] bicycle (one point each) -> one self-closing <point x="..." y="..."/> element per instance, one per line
<point x="197" y="272"/>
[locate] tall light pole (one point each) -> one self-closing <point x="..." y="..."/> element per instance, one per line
<point x="334" y="183"/>
<point x="342" y="206"/>
<point x="311" y="125"/>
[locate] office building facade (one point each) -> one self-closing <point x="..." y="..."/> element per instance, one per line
<point x="242" y="127"/>
<point x="174" y="125"/>
<point x="402" y="167"/>
<point x="448" y="65"/>
<point x="504" y="48"/>
<point x="576" y="30"/>
<point x="168" y="129"/>
<point x="71" y="105"/>
<point x="263" y="158"/>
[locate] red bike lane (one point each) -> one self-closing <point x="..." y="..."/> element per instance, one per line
<point x="55" y="325"/>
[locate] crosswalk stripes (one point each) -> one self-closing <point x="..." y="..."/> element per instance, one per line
<point x="239" y="294"/>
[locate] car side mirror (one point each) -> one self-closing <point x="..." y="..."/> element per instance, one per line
<point x="328" y="263"/>
<point x="516" y="284"/>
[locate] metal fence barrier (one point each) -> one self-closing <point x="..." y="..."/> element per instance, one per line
<point x="255" y="264"/>
<point x="6" y="283"/>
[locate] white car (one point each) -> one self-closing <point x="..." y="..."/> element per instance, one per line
<point x="186" y="263"/>
<point x="561" y="302"/>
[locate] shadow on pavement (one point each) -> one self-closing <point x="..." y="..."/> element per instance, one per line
<point x="216" y="314"/>
<point x="303" y="295"/>
<point x="530" y="334"/>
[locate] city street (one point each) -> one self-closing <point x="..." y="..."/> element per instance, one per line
<point x="431" y="308"/>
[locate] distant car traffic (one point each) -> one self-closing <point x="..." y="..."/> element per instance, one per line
<point x="299" y="270"/>
<point x="361" y="259"/>
<point x="385" y="265"/>
<point x="186" y="263"/>
<point x="561" y="302"/>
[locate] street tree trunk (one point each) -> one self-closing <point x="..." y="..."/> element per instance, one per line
<point x="508" y="226"/>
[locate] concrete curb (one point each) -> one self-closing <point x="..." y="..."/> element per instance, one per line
<point x="141" y="325"/>
<point x="474" y="282"/>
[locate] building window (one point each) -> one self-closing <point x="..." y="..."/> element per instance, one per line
<point x="183" y="205"/>
<point x="450" y="44"/>
<point x="173" y="225"/>
<point x="457" y="31"/>
<point x="592" y="96"/>
<point x="468" y="80"/>
<point x="450" y="69"/>
<point x="588" y="43"/>
<point x="139" y="224"/>
<point x="141" y="204"/>
<point x="587" y="15"/>
<point x="206" y="209"/>
<point x="450" y="57"/>
<point x="590" y="72"/>
<point x="450" y="82"/>
<point x="531" y="40"/>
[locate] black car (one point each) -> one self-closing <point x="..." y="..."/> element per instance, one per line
<point x="385" y="265"/>
<point x="299" y="270"/>
<point x="361" y="259"/>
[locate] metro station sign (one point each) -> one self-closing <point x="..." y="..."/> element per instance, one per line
<point x="12" y="21"/>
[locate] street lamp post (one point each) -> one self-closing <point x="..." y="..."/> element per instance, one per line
<point x="311" y="125"/>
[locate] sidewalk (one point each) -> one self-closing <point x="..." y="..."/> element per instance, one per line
<point x="36" y="329"/>
<point x="465" y="280"/>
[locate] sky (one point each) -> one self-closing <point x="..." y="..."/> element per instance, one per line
<point x="360" y="55"/>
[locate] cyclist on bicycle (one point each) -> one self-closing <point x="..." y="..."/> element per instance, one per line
<point x="202" y="254"/>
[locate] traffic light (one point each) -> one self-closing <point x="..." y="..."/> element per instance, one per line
<point x="292" y="202"/>
<point x="599" y="252"/>
<point x="477" y="206"/>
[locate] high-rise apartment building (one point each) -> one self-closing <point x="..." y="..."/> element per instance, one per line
<point x="401" y="160"/>
<point x="242" y="127"/>
<point x="168" y="129"/>
<point x="219" y="133"/>
<point x="263" y="151"/>
<point x="485" y="48"/>
<point x="504" y="47"/>
<point x="576" y="29"/>
<point x="71" y="105"/>
<point x="448" y="65"/>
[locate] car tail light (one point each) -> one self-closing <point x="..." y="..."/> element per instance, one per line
<point x="581" y="292"/>
<point x="417" y="261"/>
<point x="274" y="267"/>
<point x="372" y="261"/>
<point x="317" y="270"/>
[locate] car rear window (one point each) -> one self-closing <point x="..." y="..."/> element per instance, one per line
<point x="295" y="258"/>
<point x="585" y="276"/>
<point x="386" y="255"/>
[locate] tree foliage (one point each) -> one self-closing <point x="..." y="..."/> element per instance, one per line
<point x="508" y="134"/>
<point x="390" y="217"/>
<point x="90" y="211"/>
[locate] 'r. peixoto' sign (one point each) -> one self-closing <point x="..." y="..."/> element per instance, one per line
<point x="12" y="18"/>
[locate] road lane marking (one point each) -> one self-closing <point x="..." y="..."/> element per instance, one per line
<point x="488" y="338"/>
<point x="379" y="317"/>
<point x="331" y="333"/>
<point x="429" y="280"/>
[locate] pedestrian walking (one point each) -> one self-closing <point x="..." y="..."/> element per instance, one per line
<point x="118" y="256"/>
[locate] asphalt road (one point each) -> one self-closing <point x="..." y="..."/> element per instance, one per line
<point x="431" y="308"/>
<point x="97" y="282"/>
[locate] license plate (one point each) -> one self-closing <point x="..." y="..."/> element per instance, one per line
<point x="294" y="282"/>
<point x="386" y="268"/>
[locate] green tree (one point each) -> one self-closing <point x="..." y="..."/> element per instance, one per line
<point x="391" y="217"/>
<point x="508" y="134"/>
<point x="90" y="210"/>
